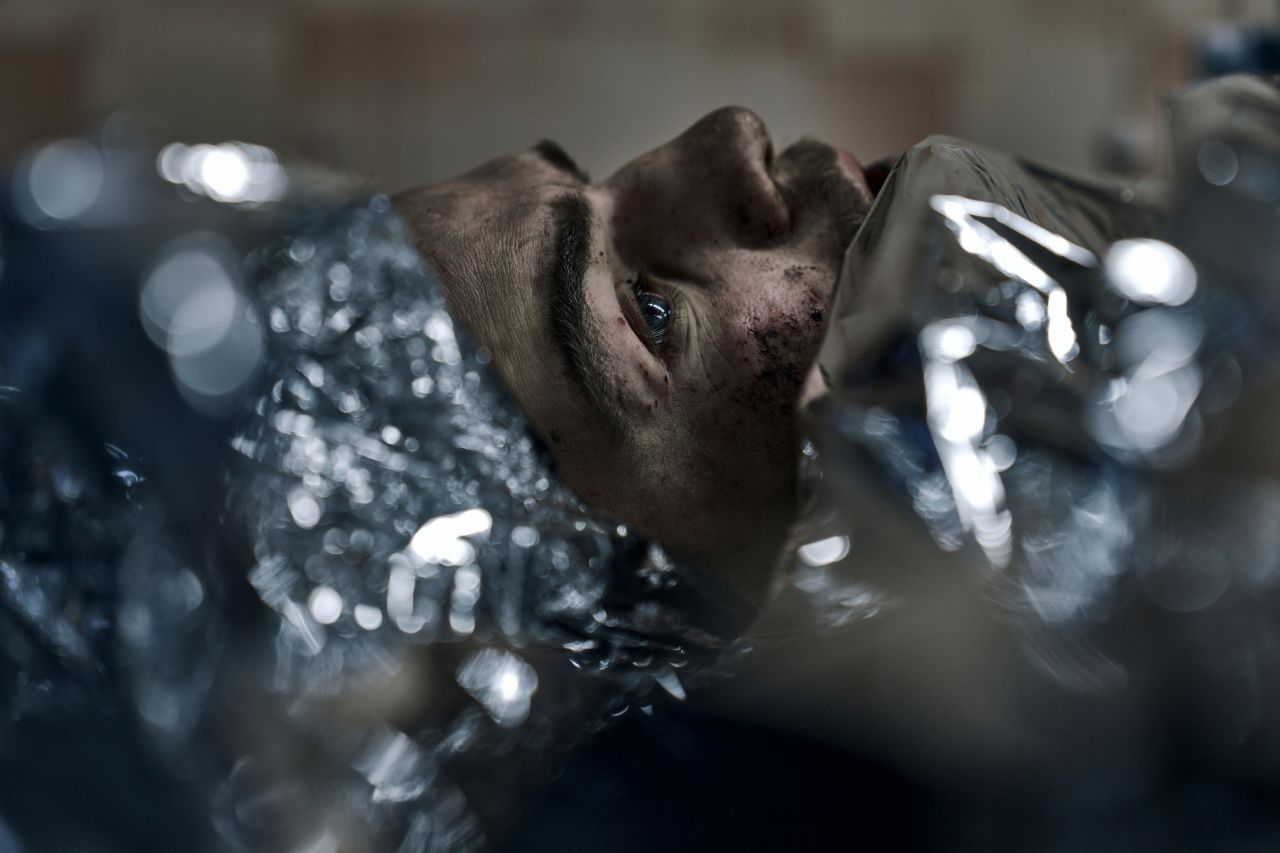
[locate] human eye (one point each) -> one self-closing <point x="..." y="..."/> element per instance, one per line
<point x="656" y="311"/>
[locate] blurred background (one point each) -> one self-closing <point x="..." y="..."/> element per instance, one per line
<point x="401" y="91"/>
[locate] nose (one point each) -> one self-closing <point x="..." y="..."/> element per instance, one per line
<point x="711" y="184"/>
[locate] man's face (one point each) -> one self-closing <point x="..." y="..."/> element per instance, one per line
<point x="656" y="326"/>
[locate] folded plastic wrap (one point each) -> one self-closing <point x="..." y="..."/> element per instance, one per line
<point x="1057" y="396"/>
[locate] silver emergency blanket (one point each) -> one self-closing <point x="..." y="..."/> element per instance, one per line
<point x="282" y="568"/>
<point x="394" y="498"/>
<point x="1041" y="458"/>
<point x="322" y="574"/>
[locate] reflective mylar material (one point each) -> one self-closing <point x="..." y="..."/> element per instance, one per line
<point x="1060" y="395"/>
<point x="310" y="559"/>
<point x="282" y="567"/>
<point x="394" y="498"/>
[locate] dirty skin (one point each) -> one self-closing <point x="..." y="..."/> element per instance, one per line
<point x="763" y="377"/>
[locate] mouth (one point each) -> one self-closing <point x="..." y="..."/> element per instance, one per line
<point x="827" y="183"/>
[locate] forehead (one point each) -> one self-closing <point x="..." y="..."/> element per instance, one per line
<point x="494" y="198"/>
<point x="495" y="219"/>
<point x="489" y="235"/>
<point x="516" y="180"/>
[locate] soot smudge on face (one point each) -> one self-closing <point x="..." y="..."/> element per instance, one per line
<point x="797" y="273"/>
<point x="785" y="345"/>
<point x="782" y="357"/>
<point x="753" y="400"/>
<point x="764" y="339"/>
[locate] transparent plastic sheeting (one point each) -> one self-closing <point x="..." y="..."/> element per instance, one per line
<point x="317" y="572"/>
<point x="1066" y="391"/>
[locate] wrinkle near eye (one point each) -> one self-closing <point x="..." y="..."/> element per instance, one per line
<point x="721" y="346"/>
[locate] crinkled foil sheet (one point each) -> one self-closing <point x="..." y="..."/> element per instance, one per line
<point x="1071" y="406"/>
<point x="281" y="567"/>
<point x="277" y="548"/>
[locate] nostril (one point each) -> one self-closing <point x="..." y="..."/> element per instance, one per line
<point x="764" y="218"/>
<point x="731" y="146"/>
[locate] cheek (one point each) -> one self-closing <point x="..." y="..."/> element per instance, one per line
<point x="771" y="348"/>
<point x="746" y="414"/>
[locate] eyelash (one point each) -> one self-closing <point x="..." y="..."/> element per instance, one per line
<point x="643" y="286"/>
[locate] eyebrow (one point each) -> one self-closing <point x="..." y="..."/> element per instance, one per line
<point x="556" y="157"/>
<point x="570" y="324"/>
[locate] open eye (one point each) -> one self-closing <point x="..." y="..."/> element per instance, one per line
<point x="656" y="313"/>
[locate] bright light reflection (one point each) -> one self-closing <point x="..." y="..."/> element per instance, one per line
<point x="973" y="480"/>
<point x="1151" y="271"/>
<point x="957" y="417"/>
<point x="1153" y="408"/>
<point x="1158" y="339"/>
<point x="191" y="305"/>
<point x="368" y="617"/>
<point x="958" y="208"/>
<point x="501" y="682"/>
<point x="670" y="682"/>
<point x="215" y="348"/>
<point x="1029" y="311"/>
<point x="64" y="180"/>
<point x="962" y="415"/>
<point x="401" y="585"/>
<point x="224" y="172"/>
<point x="1001" y="451"/>
<point x="823" y="552"/>
<point x="442" y="539"/>
<point x="949" y="340"/>
<point x="1059" y="332"/>
<point x="233" y="172"/>
<point x="305" y="508"/>
<point x="191" y="268"/>
<point x="508" y="686"/>
<point x="201" y="320"/>
<point x="325" y="605"/>
<point x="979" y="239"/>
<point x="527" y="537"/>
